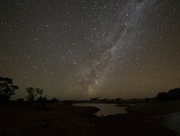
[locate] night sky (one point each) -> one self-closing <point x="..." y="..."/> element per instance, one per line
<point x="77" y="49"/>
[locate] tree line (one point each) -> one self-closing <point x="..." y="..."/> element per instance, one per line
<point x="173" y="94"/>
<point x="7" y="90"/>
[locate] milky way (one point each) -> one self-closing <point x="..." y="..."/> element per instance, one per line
<point x="127" y="18"/>
<point x="77" y="49"/>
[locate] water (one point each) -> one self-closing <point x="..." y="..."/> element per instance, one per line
<point x="105" y="109"/>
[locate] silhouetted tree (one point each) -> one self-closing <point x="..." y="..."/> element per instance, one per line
<point x="42" y="100"/>
<point x="7" y="89"/>
<point x="105" y="100"/>
<point x="94" y="99"/>
<point x="20" y="101"/>
<point x="118" y="99"/>
<point x="33" y="93"/>
<point x="173" y="94"/>
<point x="54" y="100"/>
<point x="162" y="96"/>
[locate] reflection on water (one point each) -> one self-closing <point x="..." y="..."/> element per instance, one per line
<point x="105" y="109"/>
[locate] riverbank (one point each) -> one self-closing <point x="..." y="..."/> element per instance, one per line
<point x="64" y="119"/>
<point x="143" y="119"/>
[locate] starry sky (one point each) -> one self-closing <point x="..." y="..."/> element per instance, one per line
<point x="77" y="49"/>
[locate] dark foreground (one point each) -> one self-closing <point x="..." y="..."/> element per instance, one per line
<point x="67" y="120"/>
